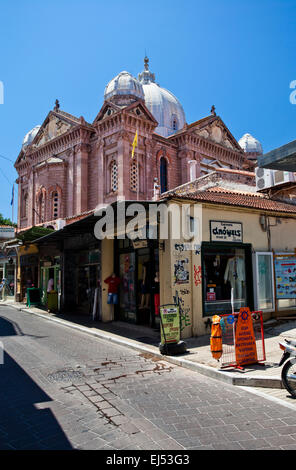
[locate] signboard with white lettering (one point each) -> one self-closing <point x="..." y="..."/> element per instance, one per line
<point x="223" y="231"/>
<point x="6" y="232"/>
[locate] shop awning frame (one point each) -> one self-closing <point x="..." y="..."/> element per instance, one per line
<point x="282" y="158"/>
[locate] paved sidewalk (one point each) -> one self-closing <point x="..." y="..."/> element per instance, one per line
<point x="198" y="357"/>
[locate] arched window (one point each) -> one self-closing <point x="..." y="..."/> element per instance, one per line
<point x="174" y="123"/>
<point x="41" y="207"/>
<point x="114" y="176"/>
<point x="55" y="205"/>
<point x="24" y="206"/>
<point x="163" y="175"/>
<point x="134" y="176"/>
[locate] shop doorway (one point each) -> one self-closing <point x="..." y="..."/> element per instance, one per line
<point x="227" y="277"/>
<point x="137" y="269"/>
<point x="81" y="280"/>
<point x="50" y="273"/>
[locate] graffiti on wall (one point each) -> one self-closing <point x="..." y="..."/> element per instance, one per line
<point x="197" y="275"/>
<point x="184" y="310"/>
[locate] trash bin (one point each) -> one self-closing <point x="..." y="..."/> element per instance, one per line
<point x="52" y="301"/>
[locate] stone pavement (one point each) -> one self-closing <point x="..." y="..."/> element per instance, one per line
<point x="198" y="356"/>
<point x="62" y="388"/>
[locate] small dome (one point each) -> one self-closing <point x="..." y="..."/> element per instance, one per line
<point x="162" y="104"/>
<point x="124" y="84"/>
<point x="250" y="145"/>
<point x="30" y="136"/>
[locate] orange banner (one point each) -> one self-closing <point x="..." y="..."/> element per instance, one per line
<point x="245" y="344"/>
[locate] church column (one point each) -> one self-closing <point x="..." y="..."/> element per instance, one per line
<point x="123" y="161"/>
<point x="82" y="152"/>
<point x="101" y="171"/>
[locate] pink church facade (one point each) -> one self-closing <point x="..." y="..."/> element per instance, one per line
<point x="67" y="166"/>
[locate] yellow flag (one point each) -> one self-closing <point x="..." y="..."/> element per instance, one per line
<point x="135" y="144"/>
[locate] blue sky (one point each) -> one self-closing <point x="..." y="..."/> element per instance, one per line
<point x="236" y="54"/>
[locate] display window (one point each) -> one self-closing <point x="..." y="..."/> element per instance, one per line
<point x="138" y="270"/>
<point x="227" y="278"/>
<point x="265" y="281"/>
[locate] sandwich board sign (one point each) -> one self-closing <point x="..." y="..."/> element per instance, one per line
<point x="170" y="324"/>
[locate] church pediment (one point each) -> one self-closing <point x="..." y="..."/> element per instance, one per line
<point x="137" y="109"/>
<point x="140" y="110"/>
<point x="54" y="125"/>
<point x="213" y="128"/>
<point x="107" y="110"/>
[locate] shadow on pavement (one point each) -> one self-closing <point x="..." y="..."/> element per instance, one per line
<point x="22" y="424"/>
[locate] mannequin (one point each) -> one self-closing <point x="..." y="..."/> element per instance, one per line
<point x="155" y="289"/>
<point x="145" y="287"/>
<point x="235" y="274"/>
<point x="113" y="283"/>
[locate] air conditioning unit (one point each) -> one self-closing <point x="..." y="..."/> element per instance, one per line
<point x="281" y="177"/>
<point x="57" y="224"/>
<point x="264" y="178"/>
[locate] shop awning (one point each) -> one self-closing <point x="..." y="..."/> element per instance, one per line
<point x="86" y="225"/>
<point x="33" y="233"/>
<point x="282" y="158"/>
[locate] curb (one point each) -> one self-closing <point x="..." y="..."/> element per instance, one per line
<point x="223" y="376"/>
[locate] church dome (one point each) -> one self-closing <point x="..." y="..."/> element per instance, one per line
<point x="124" y="85"/>
<point x="250" y="145"/>
<point x="30" y="136"/>
<point x="162" y="104"/>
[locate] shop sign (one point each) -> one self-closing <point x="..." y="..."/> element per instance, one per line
<point x="223" y="231"/>
<point x="245" y="343"/>
<point x="285" y="277"/>
<point x="6" y="232"/>
<point x="170" y="320"/>
<point x="139" y="244"/>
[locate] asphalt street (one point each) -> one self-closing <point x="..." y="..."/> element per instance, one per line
<point x="64" y="389"/>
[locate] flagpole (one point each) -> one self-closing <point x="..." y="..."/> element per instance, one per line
<point x="12" y="203"/>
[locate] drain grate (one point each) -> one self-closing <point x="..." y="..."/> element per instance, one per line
<point x="68" y="375"/>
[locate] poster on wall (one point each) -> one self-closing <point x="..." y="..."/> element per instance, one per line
<point x="285" y="277"/>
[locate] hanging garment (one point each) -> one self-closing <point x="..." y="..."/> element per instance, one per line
<point x="235" y="274"/>
<point x="216" y="338"/>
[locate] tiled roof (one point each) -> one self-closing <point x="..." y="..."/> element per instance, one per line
<point x="218" y="195"/>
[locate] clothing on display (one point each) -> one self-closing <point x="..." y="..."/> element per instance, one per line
<point x="235" y="274"/>
<point x="113" y="284"/>
<point x="112" y="299"/>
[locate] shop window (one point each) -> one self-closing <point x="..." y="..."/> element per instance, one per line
<point x="265" y="282"/>
<point x="224" y="283"/>
<point x="163" y="175"/>
<point x="114" y="176"/>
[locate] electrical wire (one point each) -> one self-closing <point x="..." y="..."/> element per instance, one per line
<point x="6" y="158"/>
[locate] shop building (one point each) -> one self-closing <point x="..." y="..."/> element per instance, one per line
<point x="243" y="234"/>
<point x="7" y="262"/>
<point x="87" y="262"/>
